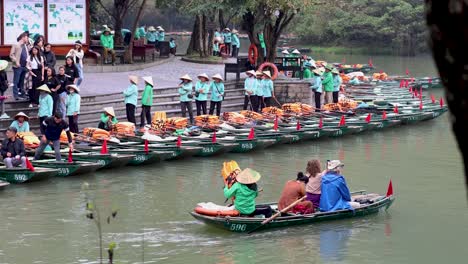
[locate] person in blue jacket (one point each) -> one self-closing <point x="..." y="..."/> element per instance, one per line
<point x="217" y="94"/>
<point x="335" y="193"/>
<point x="316" y="89"/>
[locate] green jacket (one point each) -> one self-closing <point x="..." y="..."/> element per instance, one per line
<point x="147" y="97"/>
<point x="105" y="119"/>
<point x="307" y="73"/>
<point x="245" y="197"/>
<point x="23" y="128"/>
<point x="259" y="88"/>
<point x="107" y="41"/>
<point x="46" y="104"/>
<point x="73" y="104"/>
<point x="217" y="91"/>
<point x="152" y="36"/>
<point x="131" y="94"/>
<point x="184" y="91"/>
<point x="327" y="82"/>
<point x="205" y="86"/>
<point x="161" y="36"/>
<point x="235" y="40"/>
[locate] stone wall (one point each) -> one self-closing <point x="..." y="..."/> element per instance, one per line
<point x="292" y="91"/>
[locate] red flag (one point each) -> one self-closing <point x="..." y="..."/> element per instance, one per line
<point x="390" y="189"/>
<point x="179" y="141"/>
<point x="407" y="71"/>
<point x="411" y="89"/>
<point x="213" y="139"/>
<point x="104" y="147"/>
<point x="251" y="134"/>
<point x="275" y="125"/>
<point x="441" y="101"/>
<point x="433" y="99"/>
<point x="298" y="126"/>
<point x="395" y="110"/>
<point x="70" y="156"/>
<point x="420" y="93"/>
<point x="420" y="105"/>
<point x="29" y="165"/>
<point x="406" y="83"/>
<point x="370" y="63"/>
<point x="384" y="115"/>
<point x="146" y="146"/>
<point x="368" y="118"/>
<point x="321" y="123"/>
<point x="402" y="83"/>
<point x="430" y="80"/>
<point x="342" y="121"/>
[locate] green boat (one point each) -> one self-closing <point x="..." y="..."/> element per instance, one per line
<point x="247" y="224"/>
<point x="68" y="168"/>
<point x="140" y="157"/>
<point x="107" y="161"/>
<point x="20" y="175"/>
<point x="209" y="149"/>
<point x="248" y="145"/>
<point x="177" y="152"/>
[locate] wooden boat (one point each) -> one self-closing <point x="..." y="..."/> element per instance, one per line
<point x="140" y="157"/>
<point x="209" y="149"/>
<point x="177" y="152"/>
<point x="20" y="175"/>
<point x="107" y="161"/>
<point x="67" y="169"/>
<point x="247" y="145"/>
<point x="240" y="224"/>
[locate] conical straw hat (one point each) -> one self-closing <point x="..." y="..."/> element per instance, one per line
<point x="217" y="76"/>
<point x="285" y="51"/>
<point x="44" y="88"/>
<point x="110" y="110"/>
<point x="3" y="65"/>
<point x="203" y="75"/>
<point x="186" y="77"/>
<point x="149" y="80"/>
<point x="74" y="87"/>
<point x="23" y="115"/>
<point x="252" y="72"/>
<point x="133" y="79"/>
<point x="267" y="73"/>
<point x="248" y="176"/>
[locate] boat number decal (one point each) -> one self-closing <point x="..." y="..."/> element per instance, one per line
<point x="247" y="145"/>
<point x="101" y="162"/>
<point x="296" y="138"/>
<point x="381" y="125"/>
<point x="174" y="154"/>
<point x="64" y="171"/>
<point x="208" y="150"/>
<point x="141" y="158"/>
<point x="238" y="227"/>
<point x="20" y="177"/>
<point x="339" y="132"/>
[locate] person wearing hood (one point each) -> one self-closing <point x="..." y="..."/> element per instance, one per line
<point x="316" y="90"/>
<point x="235" y="43"/>
<point x="250" y="85"/>
<point x="146" y="101"/>
<point x="185" y="92"/>
<point x="217" y="94"/>
<point x="77" y="54"/>
<point x="202" y="87"/>
<point x="21" y="122"/>
<point x="131" y="98"/>
<point x="328" y="84"/>
<point x="73" y="104"/>
<point x="337" y="81"/>
<point x="49" y="56"/>
<point x="335" y="194"/>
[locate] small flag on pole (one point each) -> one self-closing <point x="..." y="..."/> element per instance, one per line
<point x="275" y="125"/>
<point x="390" y="189"/>
<point x="384" y="115"/>
<point x="298" y="126"/>
<point x="251" y="134"/>
<point x="29" y="165"/>
<point x="433" y="99"/>
<point x="146" y="146"/>
<point x="441" y="101"/>
<point x="104" y="147"/>
<point x="321" y="122"/>
<point x="368" y="118"/>
<point x="213" y="139"/>
<point x="402" y="83"/>
<point x="395" y="110"/>
<point x="179" y="141"/>
<point x="70" y="156"/>
<point x="342" y="121"/>
<point x="420" y="105"/>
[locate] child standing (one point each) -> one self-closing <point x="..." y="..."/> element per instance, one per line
<point x="73" y="107"/>
<point x="146" y="101"/>
<point x="131" y="97"/>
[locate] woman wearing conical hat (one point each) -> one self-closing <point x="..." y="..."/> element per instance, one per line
<point x="268" y="88"/>
<point x="131" y="98"/>
<point x="146" y="101"/>
<point x="217" y="94"/>
<point x="21" y="122"/>
<point x="73" y="104"/>
<point x="185" y="91"/>
<point x="202" y="88"/>
<point x="46" y="104"/>
<point x="108" y="119"/>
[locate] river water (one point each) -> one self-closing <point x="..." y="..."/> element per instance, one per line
<point x="428" y="223"/>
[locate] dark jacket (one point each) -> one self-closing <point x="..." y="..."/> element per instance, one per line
<point x="3" y="82"/>
<point x="53" y="130"/>
<point x="14" y="147"/>
<point x="50" y="59"/>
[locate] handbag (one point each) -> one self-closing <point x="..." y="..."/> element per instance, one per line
<point x="222" y="96"/>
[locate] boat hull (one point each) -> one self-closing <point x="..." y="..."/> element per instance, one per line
<point x="67" y="169"/>
<point x="20" y="175"/>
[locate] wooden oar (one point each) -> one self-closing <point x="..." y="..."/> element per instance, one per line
<point x="266" y="221"/>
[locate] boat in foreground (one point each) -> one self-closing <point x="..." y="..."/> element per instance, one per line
<point x="68" y="168"/>
<point x="20" y="175"/>
<point x="241" y="224"/>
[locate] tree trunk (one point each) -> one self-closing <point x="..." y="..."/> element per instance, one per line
<point x="118" y="40"/>
<point x="129" y="53"/>
<point x="194" y="45"/>
<point x="221" y="21"/>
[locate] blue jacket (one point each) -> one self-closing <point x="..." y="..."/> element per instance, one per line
<point x="337" y="81"/>
<point x="205" y="86"/>
<point x="217" y="91"/>
<point x="131" y="94"/>
<point x="184" y="92"/>
<point x="335" y="194"/>
<point x="316" y="84"/>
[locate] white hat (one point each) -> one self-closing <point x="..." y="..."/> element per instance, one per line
<point x="148" y="79"/>
<point x="26" y="117"/>
<point x="3" y="64"/>
<point x="160" y="28"/>
<point x="334" y="164"/>
<point x="248" y="176"/>
<point x="252" y="72"/>
<point x="267" y="73"/>
<point x="259" y="73"/>
<point x="295" y="51"/>
<point x="133" y="79"/>
<point x="285" y="51"/>
<point x="44" y="88"/>
<point x="203" y="75"/>
<point x="74" y="87"/>
<point x="227" y="29"/>
<point x="110" y="110"/>
<point x="318" y="71"/>
<point x="151" y="28"/>
<point x="186" y="77"/>
<point x="217" y="76"/>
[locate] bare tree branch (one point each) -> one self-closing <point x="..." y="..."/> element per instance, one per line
<point x="106" y="9"/>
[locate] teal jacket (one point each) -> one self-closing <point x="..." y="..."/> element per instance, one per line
<point x="73" y="104"/>
<point x="337" y="81"/>
<point x="259" y="88"/>
<point x="131" y="94"/>
<point x="245" y="197"/>
<point x="45" y="105"/>
<point x="316" y="84"/>
<point x="147" y="97"/>
<point x="172" y="44"/>
<point x="107" y="41"/>
<point x="22" y="128"/>
<point x="250" y="84"/>
<point x="217" y="91"/>
<point x="205" y="86"/>
<point x="227" y="37"/>
<point x="184" y="91"/>
<point x="217" y="34"/>
<point x="216" y="47"/>
<point x="268" y="89"/>
<point x="152" y="36"/>
<point x="235" y="40"/>
<point x="327" y="82"/>
<point x="161" y="36"/>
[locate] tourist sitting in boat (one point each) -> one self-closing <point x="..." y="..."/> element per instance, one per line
<point x="335" y="193"/>
<point x="245" y="190"/>
<point x="54" y="126"/>
<point x="294" y="190"/>
<point x="13" y="150"/>
<point x="21" y="122"/>
<point x="313" y="187"/>
<point x="108" y="119"/>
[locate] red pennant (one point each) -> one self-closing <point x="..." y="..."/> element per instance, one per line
<point x="433" y="99"/>
<point x="251" y="134"/>
<point x="402" y="84"/>
<point x="321" y="123"/>
<point x="146" y="146"/>
<point x="410" y="89"/>
<point x="420" y="93"/>
<point x="179" y="141"/>
<point x="29" y="165"/>
<point x="370" y="63"/>
<point x="420" y="105"/>
<point x="412" y="79"/>
<point x="368" y="118"/>
<point x="298" y="126"/>
<point x="342" y="121"/>
<point x="384" y="115"/>
<point x="407" y="71"/>
<point x="70" y="156"/>
<point x="104" y="147"/>
<point x="441" y="101"/>
<point x="406" y="83"/>
<point x="429" y="81"/>
<point x="390" y="189"/>
<point x="213" y="139"/>
<point x="395" y="110"/>
<point x="275" y="125"/>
